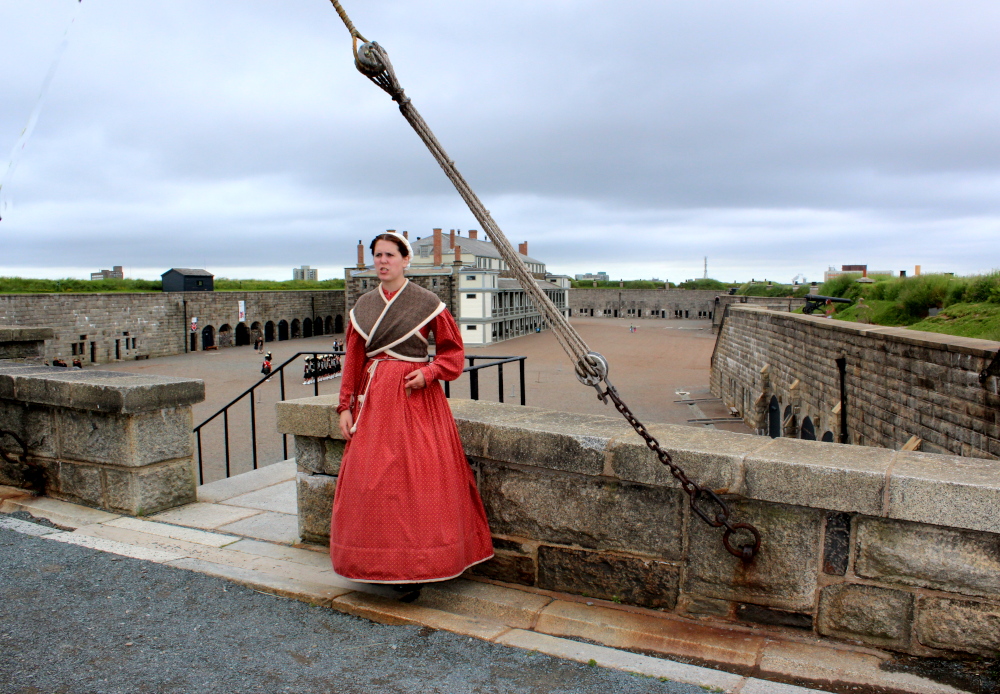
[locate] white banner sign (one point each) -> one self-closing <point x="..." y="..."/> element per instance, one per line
<point x="194" y="324"/>
<point x="243" y="311"/>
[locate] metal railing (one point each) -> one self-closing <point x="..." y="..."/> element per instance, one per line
<point x="472" y="369"/>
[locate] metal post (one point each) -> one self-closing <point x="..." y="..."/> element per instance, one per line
<point x="284" y="437"/>
<point x="474" y="384"/>
<point x="253" y="429"/>
<point x="500" y="380"/>
<point x="447" y="389"/>
<point x="315" y="375"/>
<point x="225" y="428"/>
<point x="842" y="368"/>
<point x="521" y="362"/>
<point x="201" y="465"/>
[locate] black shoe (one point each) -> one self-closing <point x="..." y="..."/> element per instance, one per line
<point x="407" y="592"/>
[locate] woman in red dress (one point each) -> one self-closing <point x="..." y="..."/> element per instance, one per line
<point x="406" y="509"/>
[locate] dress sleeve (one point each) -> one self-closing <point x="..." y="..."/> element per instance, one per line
<point x="449" y="358"/>
<point x="353" y="367"/>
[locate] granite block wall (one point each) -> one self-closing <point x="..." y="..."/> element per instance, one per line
<point x="101" y="328"/>
<point x="858" y="544"/>
<point x="899" y="383"/>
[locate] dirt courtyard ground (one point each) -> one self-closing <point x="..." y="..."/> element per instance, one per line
<point x="661" y="362"/>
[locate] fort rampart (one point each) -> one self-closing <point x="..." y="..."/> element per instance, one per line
<point x="642" y="303"/>
<point x="900" y="387"/>
<point x="101" y="328"/>
<point x="892" y="549"/>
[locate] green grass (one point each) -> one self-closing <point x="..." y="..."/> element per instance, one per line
<point x="965" y="320"/>
<point x="27" y="285"/>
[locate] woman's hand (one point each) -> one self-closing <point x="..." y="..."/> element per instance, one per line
<point x="415" y="380"/>
<point x="346" y="422"/>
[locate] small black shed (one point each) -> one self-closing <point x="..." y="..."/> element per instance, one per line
<point x="183" y="279"/>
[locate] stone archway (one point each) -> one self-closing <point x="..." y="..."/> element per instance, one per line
<point x="282" y="330"/>
<point x="242" y="334"/>
<point x="207" y="337"/>
<point x="269" y="331"/>
<point x="296" y="329"/>
<point x="808" y="430"/>
<point x="828" y="437"/>
<point x="338" y="324"/>
<point x="307" y="327"/>
<point x="225" y="336"/>
<point x="774" y="418"/>
<point x="318" y="325"/>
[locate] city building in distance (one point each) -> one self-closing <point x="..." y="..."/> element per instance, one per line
<point x="856" y="270"/>
<point x="305" y="273"/>
<point x="597" y="276"/>
<point x="115" y="273"/>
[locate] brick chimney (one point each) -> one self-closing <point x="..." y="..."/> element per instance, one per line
<point x="458" y="255"/>
<point x="522" y="248"/>
<point x="406" y="235"/>
<point x="473" y="234"/>
<point x="451" y="238"/>
<point x="390" y="231"/>
<point x="437" y="247"/>
<point x="361" y="255"/>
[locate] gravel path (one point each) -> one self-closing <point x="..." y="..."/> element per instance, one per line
<point x="79" y="621"/>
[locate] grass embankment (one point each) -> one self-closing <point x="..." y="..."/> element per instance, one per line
<point x="24" y="285"/>
<point x="967" y="306"/>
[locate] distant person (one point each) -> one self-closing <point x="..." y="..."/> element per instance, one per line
<point x="77" y="364"/>
<point x="265" y="368"/>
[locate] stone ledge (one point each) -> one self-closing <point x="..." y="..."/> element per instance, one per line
<point x="102" y="391"/>
<point x="829" y="476"/>
<point x="21" y="333"/>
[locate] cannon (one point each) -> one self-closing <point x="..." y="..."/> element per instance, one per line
<point x="815" y="301"/>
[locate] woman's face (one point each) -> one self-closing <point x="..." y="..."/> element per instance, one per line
<point x="389" y="263"/>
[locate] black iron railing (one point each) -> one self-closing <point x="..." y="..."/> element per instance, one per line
<point x="472" y="369"/>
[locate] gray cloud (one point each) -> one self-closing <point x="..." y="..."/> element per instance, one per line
<point x="773" y="137"/>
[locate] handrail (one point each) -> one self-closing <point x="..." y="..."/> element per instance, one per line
<point x="472" y="369"/>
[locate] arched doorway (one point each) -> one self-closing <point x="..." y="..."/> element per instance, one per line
<point x="318" y="325"/>
<point x="338" y="324"/>
<point x="282" y="330"/>
<point x="329" y="325"/>
<point x="307" y="327"/>
<point x="226" y="336"/>
<point x="828" y="437"/>
<point x="808" y="430"/>
<point x="207" y="337"/>
<point x="296" y="329"/>
<point x="774" y="418"/>
<point x="242" y="335"/>
<point x="269" y="331"/>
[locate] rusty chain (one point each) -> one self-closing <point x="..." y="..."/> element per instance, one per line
<point x="695" y="493"/>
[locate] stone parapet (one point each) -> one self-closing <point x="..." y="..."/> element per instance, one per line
<point x="859" y="543"/>
<point x="120" y="442"/>
<point x="23" y="344"/>
<point x="901" y="387"/>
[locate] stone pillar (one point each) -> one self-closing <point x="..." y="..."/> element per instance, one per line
<point x="120" y="442"/>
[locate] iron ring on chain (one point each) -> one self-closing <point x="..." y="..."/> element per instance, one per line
<point x="745" y="552"/>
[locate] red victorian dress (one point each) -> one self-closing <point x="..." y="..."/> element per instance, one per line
<point x="406" y="507"/>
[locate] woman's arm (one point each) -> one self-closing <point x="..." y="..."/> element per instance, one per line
<point x="353" y="366"/>
<point x="449" y="358"/>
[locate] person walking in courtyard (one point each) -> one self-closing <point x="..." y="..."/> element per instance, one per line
<point x="406" y="510"/>
<point x="265" y="368"/>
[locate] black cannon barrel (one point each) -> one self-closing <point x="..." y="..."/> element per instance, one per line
<point x="824" y="299"/>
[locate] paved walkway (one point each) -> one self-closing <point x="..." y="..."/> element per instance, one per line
<point x="243" y="530"/>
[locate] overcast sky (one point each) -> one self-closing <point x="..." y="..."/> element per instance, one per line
<point x="776" y="138"/>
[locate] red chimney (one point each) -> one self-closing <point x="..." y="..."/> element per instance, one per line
<point x="437" y="247"/>
<point x="406" y="235"/>
<point x="522" y="248"/>
<point x="473" y="234"/>
<point x="451" y="238"/>
<point x="390" y="231"/>
<point x="458" y="255"/>
<point x="361" y="255"/>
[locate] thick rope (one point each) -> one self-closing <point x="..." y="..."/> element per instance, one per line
<point x="372" y="60"/>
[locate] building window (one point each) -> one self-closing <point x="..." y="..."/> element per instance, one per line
<point x="470" y="327"/>
<point x="364" y="284"/>
<point x="434" y="282"/>
<point x="470" y="296"/>
<point x="470" y="277"/>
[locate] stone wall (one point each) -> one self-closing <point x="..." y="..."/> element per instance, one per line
<point x="101" y="328"/>
<point x="115" y="441"/>
<point x="643" y="303"/>
<point x="897" y="550"/>
<point x="23" y="344"/>
<point x="788" y="304"/>
<point x="899" y="383"/>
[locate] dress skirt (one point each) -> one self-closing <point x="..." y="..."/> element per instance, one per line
<point x="406" y="507"/>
